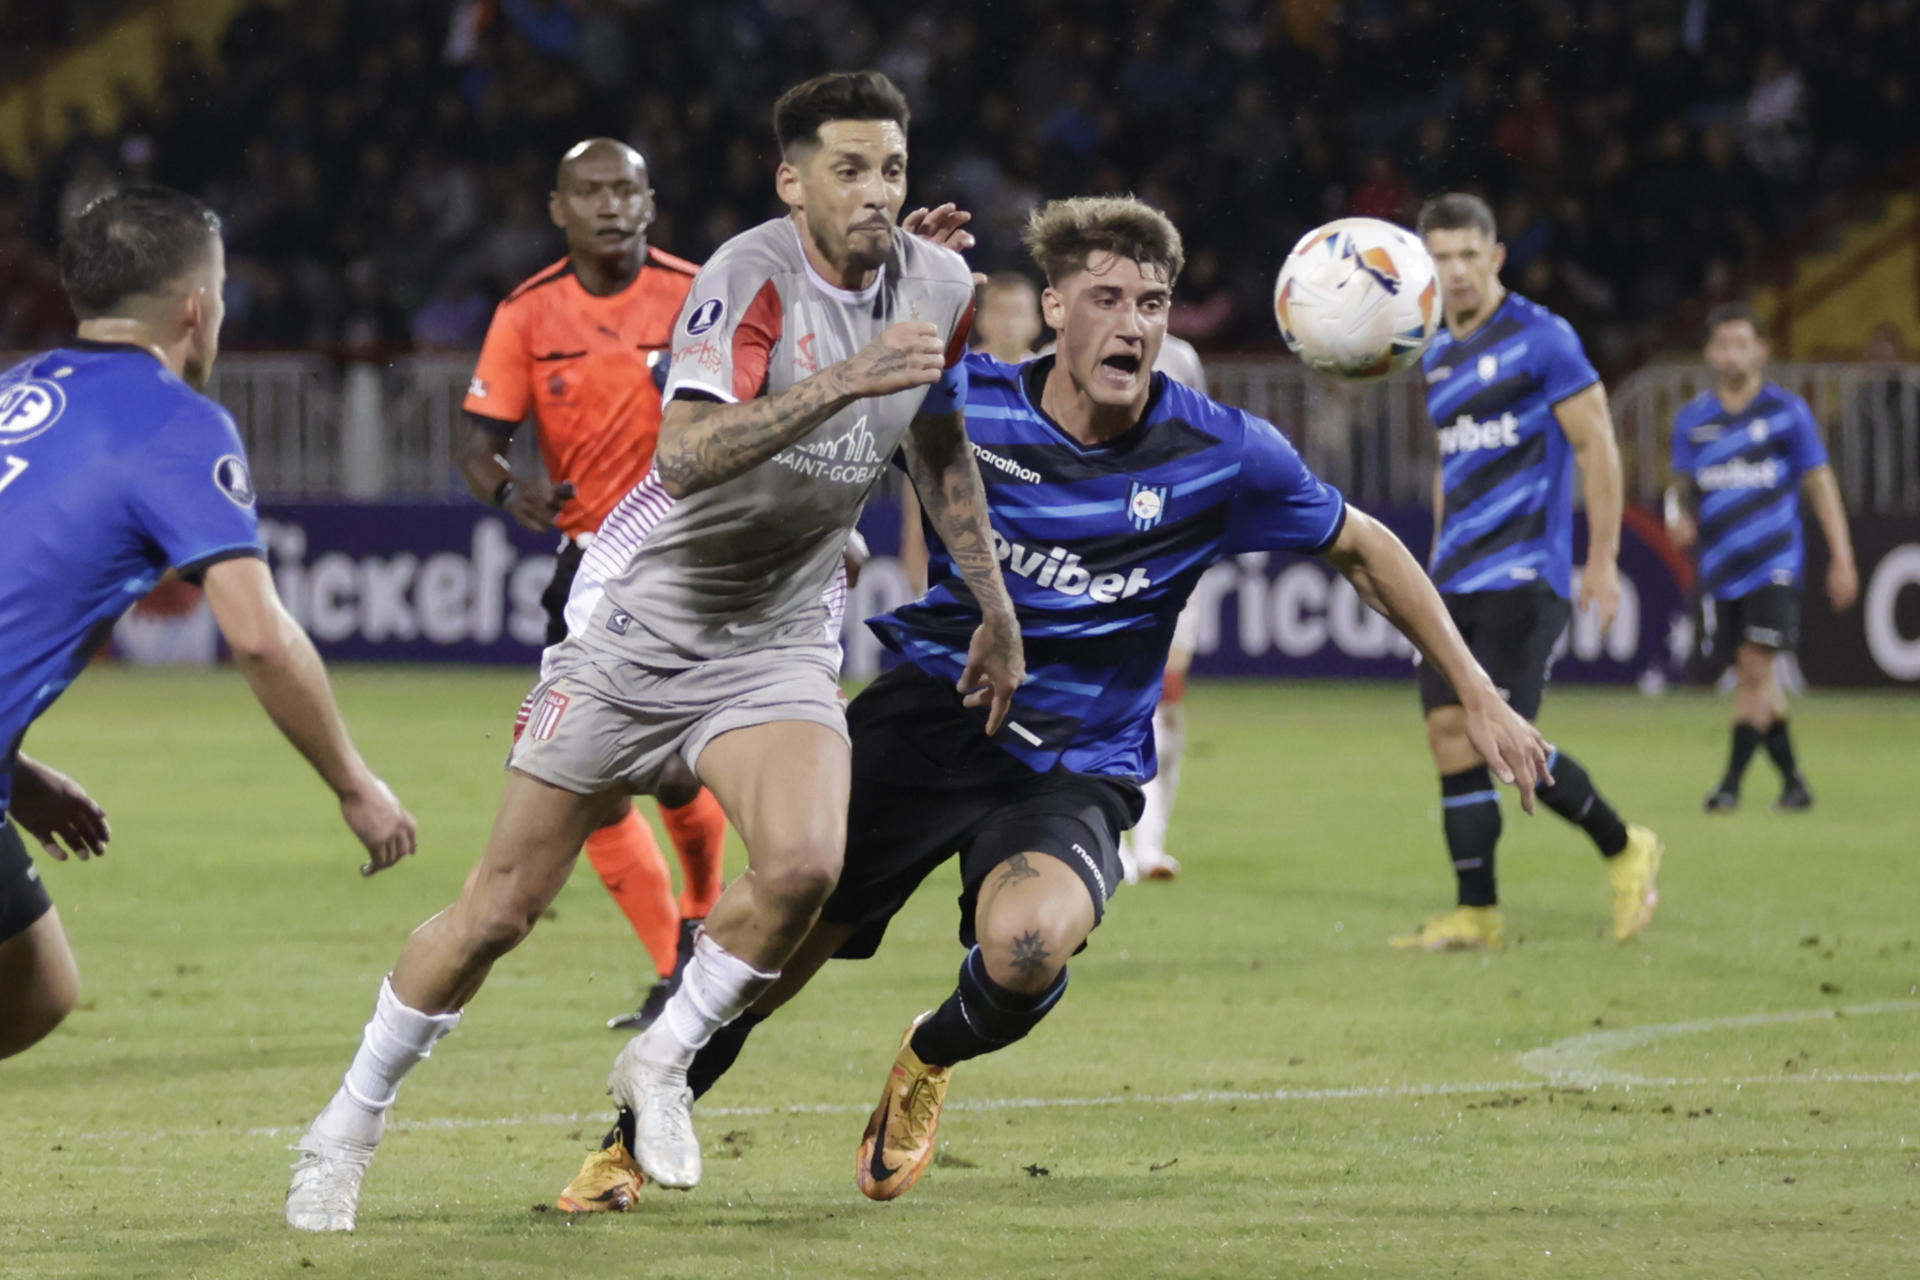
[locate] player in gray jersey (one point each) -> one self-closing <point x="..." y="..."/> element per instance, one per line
<point x="809" y="350"/>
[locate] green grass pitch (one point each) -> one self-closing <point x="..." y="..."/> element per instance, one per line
<point x="1243" y="1080"/>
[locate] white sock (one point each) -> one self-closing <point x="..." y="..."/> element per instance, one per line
<point x="1169" y="743"/>
<point x="716" y="988"/>
<point x="396" y="1039"/>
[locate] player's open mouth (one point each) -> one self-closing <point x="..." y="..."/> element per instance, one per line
<point x="1120" y="368"/>
<point x="614" y="233"/>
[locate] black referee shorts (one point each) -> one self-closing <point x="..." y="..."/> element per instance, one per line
<point x="1512" y="633"/>
<point x="554" y="598"/>
<point x="928" y="785"/>
<point x="1768" y="617"/>
<point x="23" y="898"/>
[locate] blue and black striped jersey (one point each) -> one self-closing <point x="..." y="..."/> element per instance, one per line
<point x="112" y="471"/>
<point x="1100" y="547"/>
<point x="1506" y="466"/>
<point x="1746" y="470"/>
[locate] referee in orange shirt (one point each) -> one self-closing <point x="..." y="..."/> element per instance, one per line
<point x="583" y="345"/>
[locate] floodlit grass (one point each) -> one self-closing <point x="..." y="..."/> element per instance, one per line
<point x="1243" y="1081"/>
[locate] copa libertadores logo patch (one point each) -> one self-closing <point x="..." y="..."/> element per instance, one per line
<point x="231" y="477"/>
<point x="706" y="315"/>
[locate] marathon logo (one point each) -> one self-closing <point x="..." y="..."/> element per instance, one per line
<point x="1468" y="436"/>
<point x="1739" y="474"/>
<point x="1026" y="475"/>
<point x="1060" y="570"/>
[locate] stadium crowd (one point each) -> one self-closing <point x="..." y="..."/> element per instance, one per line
<point x="389" y="190"/>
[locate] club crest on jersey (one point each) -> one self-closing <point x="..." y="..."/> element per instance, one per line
<point x="230" y="476"/>
<point x="545" y="721"/>
<point x="1489" y="366"/>
<point x="1146" y="505"/>
<point x="29" y="407"/>
<point x="705" y="316"/>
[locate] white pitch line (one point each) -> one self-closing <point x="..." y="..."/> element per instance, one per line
<point x="1205" y="1097"/>
<point x="1576" y="1060"/>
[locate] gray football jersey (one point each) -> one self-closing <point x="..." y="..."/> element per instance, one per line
<point x="749" y="563"/>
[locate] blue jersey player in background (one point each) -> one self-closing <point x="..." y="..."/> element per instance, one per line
<point x="114" y="470"/>
<point x="1111" y="489"/>
<point x="1742" y="452"/>
<point x="1518" y="406"/>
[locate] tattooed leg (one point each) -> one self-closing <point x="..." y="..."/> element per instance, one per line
<point x="1033" y="913"/>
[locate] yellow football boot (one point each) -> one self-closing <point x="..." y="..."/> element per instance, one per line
<point x="609" y="1180"/>
<point x="1461" y="929"/>
<point x="898" y="1144"/>
<point x="1633" y="875"/>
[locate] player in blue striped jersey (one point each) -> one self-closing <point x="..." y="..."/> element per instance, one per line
<point x="1518" y="406"/>
<point x="114" y="469"/>
<point x="1742" y="453"/>
<point x="1111" y="489"/>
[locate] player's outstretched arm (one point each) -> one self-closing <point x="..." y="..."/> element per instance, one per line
<point x="51" y="807"/>
<point x="940" y="463"/>
<point x="1588" y="426"/>
<point x="1843" y="578"/>
<point x="288" y="678"/>
<point x="704" y="443"/>
<point x="1387" y="577"/>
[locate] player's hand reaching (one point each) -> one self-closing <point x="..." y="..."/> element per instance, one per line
<point x="908" y="355"/>
<point x="53" y="808"/>
<point x="534" y="503"/>
<point x="380" y="821"/>
<point x="996" y="666"/>
<point x="1600" y="590"/>
<point x="944" y="225"/>
<point x="1511" y="746"/>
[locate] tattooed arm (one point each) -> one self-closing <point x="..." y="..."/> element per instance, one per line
<point x="704" y="443"/>
<point x="940" y="462"/>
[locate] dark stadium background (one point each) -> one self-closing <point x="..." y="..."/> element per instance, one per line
<point x="381" y="167"/>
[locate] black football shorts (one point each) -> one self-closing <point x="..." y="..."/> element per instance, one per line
<point x="928" y="785"/>
<point x="23" y="898"/>
<point x="1512" y="633"/>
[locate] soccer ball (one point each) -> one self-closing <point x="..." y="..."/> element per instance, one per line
<point x="1358" y="298"/>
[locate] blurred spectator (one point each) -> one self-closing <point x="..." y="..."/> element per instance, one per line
<point x="377" y="163"/>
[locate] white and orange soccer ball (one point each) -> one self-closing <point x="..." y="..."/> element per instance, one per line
<point x="1358" y="298"/>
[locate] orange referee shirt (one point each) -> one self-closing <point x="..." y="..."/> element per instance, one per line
<point x="585" y="366"/>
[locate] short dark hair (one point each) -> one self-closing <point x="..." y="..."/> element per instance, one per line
<point x="1062" y="234"/>
<point x="1457" y="211"/>
<point x="133" y="243"/>
<point x="838" y="95"/>
<point x="1732" y="313"/>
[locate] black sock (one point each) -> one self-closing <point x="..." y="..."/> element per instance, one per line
<point x="1470" y="813"/>
<point x="715" y="1057"/>
<point x="689" y="929"/>
<point x="1574" y="797"/>
<point x="1746" y="739"/>
<point x="1780" y="747"/>
<point x="981" y="1016"/>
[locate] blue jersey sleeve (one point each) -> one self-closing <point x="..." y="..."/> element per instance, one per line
<point x="947" y="395"/>
<point x="1805" y="447"/>
<point x="1279" y="504"/>
<point x="192" y="493"/>
<point x="1561" y="362"/>
<point x="1682" y="463"/>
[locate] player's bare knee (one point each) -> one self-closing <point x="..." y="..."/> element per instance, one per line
<point x="801" y="877"/>
<point x="1025" y="949"/>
